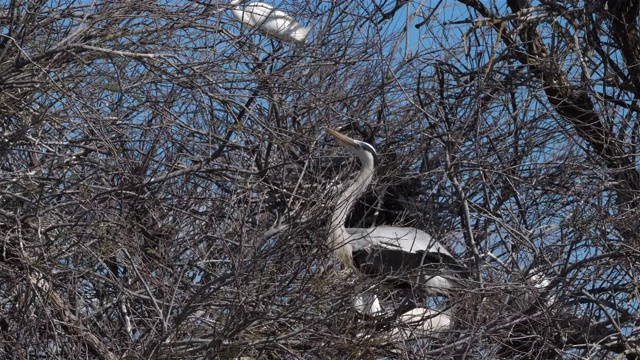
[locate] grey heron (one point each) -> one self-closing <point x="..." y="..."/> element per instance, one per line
<point x="417" y="323"/>
<point x="367" y="303"/>
<point x="427" y="320"/>
<point x="533" y="290"/>
<point x="406" y="257"/>
<point x="270" y="21"/>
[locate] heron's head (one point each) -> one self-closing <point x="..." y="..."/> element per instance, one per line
<point x="365" y="152"/>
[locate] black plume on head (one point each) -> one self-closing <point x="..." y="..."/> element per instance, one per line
<point x="369" y="148"/>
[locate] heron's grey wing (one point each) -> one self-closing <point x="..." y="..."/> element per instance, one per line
<point x="359" y="238"/>
<point x="407" y="239"/>
<point x="401" y="254"/>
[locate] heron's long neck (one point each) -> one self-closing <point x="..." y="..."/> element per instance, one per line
<point x="345" y="204"/>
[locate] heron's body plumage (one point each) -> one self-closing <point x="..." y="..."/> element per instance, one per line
<point x="404" y="256"/>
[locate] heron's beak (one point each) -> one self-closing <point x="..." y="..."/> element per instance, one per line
<point x="342" y="139"/>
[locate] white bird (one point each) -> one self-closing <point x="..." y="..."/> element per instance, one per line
<point x="533" y="292"/>
<point x="420" y="322"/>
<point x="403" y="256"/>
<point x="367" y="304"/>
<point x="270" y="21"/>
<point x="417" y="323"/>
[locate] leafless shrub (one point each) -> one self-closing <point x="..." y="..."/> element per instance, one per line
<point x="166" y="183"/>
